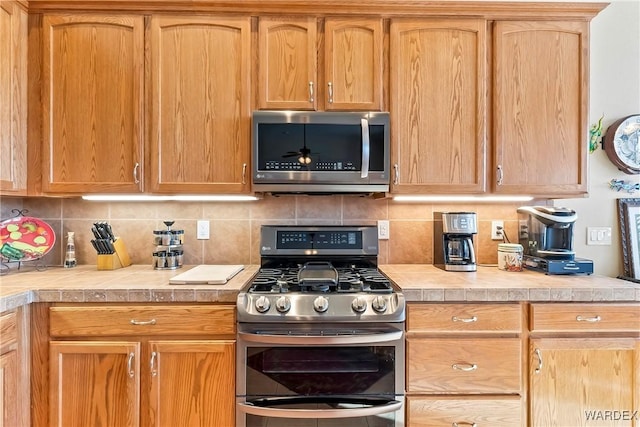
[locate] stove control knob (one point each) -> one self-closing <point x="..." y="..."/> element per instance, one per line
<point x="359" y="305"/>
<point x="321" y="304"/>
<point x="283" y="304"/>
<point x="263" y="304"/>
<point x="379" y="304"/>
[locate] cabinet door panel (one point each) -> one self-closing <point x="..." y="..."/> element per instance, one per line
<point x="13" y="93"/>
<point x="204" y="374"/>
<point x="287" y="75"/>
<point x="540" y="100"/>
<point x="200" y="104"/>
<point x="92" y="97"/>
<point x="353" y="69"/>
<point x="438" y="105"/>
<point x="94" y="383"/>
<point x="572" y="379"/>
<point x="9" y="399"/>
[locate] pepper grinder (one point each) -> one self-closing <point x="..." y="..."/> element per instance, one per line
<point x="70" y="253"/>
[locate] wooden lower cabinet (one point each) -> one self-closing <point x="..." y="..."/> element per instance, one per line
<point x="584" y="365"/>
<point x="14" y="374"/>
<point x="464" y="367"/>
<point x="464" y="412"/>
<point x="109" y="376"/>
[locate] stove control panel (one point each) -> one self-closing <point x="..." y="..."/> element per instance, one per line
<point x="327" y="307"/>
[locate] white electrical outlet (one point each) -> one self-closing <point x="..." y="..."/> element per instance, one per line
<point x="496" y="230"/>
<point x="383" y="229"/>
<point x="202" y="231"/>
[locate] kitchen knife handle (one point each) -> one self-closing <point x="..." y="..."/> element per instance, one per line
<point x="135" y="173"/>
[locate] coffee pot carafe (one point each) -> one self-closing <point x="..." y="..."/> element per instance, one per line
<point x="453" y="241"/>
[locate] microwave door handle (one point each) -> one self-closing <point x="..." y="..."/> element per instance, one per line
<point x="364" y="170"/>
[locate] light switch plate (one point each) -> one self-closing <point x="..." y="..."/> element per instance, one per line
<point x="599" y="236"/>
<point x="383" y="229"/>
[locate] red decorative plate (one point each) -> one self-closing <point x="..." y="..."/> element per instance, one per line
<point x="25" y="238"/>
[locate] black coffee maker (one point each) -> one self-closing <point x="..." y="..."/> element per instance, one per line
<point x="453" y="240"/>
<point x="546" y="234"/>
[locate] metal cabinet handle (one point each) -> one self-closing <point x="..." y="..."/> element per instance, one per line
<point x="538" y="354"/>
<point x="152" y="364"/>
<point x="500" y="174"/>
<point x="330" y="92"/>
<point x="311" y="99"/>
<point x="135" y="173"/>
<point x="464" y="319"/>
<point x="466" y="367"/>
<point x="461" y="423"/>
<point x="593" y="319"/>
<point x="244" y="172"/>
<point x="143" y="322"/>
<point x="130" y="365"/>
<point x="396" y="174"/>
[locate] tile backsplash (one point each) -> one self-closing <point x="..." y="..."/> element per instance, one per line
<point x="235" y="226"/>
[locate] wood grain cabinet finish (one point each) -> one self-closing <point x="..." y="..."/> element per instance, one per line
<point x="14" y="377"/>
<point x="465" y="364"/>
<point x="584" y="364"/>
<point x="92" y="90"/>
<point x="287" y="63"/>
<point x="200" y="104"/>
<point x="350" y="75"/>
<point x="540" y="97"/>
<point x="13" y="98"/>
<point x="438" y="105"/>
<point x="473" y="411"/>
<point x="142" y="365"/>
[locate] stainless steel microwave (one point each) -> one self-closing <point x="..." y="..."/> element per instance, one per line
<point x="320" y="152"/>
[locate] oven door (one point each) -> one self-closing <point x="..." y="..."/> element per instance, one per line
<point x="320" y="375"/>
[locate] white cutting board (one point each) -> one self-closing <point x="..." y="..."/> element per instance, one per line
<point x="207" y="275"/>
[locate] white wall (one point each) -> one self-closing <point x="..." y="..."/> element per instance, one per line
<point x="615" y="91"/>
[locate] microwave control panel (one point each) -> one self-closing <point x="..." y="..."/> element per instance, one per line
<point x="296" y="165"/>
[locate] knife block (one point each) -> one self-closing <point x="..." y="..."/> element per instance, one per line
<point x="118" y="259"/>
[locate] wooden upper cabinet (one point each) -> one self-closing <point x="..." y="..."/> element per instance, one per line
<point x="350" y="73"/>
<point x="287" y="63"/>
<point x="353" y="64"/>
<point x="13" y="98"/>
<point x="438" y="105"/>
<point x="200" y="104"/>
<point x="93" y="103"/>
<point x="540" y="96"/>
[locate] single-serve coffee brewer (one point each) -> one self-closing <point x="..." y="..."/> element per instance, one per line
<point x="453" y="240"/>
<point x="546" y="234"/>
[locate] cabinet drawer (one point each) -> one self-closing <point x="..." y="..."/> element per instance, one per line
<point x="464" y="318"/>
<point x="473" y="365"/>
<point x="8" y="331"/>
<point x="142" y="320"/>
<point x="585" y="317"/>
<point x="494" y="412"/>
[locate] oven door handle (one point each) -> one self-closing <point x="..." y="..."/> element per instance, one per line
<point x="321" y="339"/>
<point x="261" y="411"/>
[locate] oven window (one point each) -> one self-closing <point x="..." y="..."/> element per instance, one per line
<point x="320" y="371"/>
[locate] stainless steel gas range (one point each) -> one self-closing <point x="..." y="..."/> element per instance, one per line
<point x="320" y="332"/>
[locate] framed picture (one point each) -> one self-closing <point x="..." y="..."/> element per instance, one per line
<point x="629" y="217"/>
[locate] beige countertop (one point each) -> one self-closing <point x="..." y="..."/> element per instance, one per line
<point x="421" y="282"/>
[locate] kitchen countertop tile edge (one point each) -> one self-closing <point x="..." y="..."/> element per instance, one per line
<point x="419" y="283"/>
